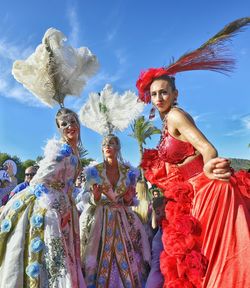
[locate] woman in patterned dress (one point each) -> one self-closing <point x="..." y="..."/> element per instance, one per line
<point x="39" y="238"/>
<point x="114" y="244"/>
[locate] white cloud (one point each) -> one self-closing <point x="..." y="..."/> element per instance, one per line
<point x="74" y="25"/>
<point x="8" y="87"/>
<point x="111" y="35"/>
<point x="12" y="52"/>
<point x="244" y="124"/>
<point x="121" y="56"/>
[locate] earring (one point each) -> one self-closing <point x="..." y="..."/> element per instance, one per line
<point x="152" y="113"/>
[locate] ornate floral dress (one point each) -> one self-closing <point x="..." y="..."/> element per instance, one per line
<point x="39" y="238"/>
<point x="206" y="232"/>
<point x="114" y="244"/>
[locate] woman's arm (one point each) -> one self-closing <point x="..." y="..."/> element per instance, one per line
<point x="182" y="127"/>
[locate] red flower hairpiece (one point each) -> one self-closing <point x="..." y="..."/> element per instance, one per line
<point x="209" y="56"/>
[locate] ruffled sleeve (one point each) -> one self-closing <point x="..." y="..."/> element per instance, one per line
<point x="52" y="167"/>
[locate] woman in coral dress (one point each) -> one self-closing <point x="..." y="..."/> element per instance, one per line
<point x="206" y="235"/>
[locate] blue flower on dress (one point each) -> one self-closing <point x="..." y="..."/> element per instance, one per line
<point x="110" y="215"/>
<point x="120" y="246"/>
<point x="40" y="189"/>
<point x="17" y="204"/>
<point x="66" y="150"/>
<point x="33" y="270"/>
<point x="101" y="280"/>
<point x="109" y="231"/>
<point x="105" y="263"/>
<point x="6" y="225"/>
<point x="73" y="160"/>
<point x="92" y="176"/>
<point x="70" y="182"/>
<point x="36" y="245"/>
<point x="128" y="284"/>
<point x="36" y="221"/>
<point x="107" y="247"/>
<point x="124" y="265"/>
<point x="132" y="175"/>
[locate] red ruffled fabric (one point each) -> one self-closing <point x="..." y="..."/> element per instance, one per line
<point x="243" y="180"/>
<point x="206" y="238"/>
<point x="154" y="169"/>
<point x="181" y="231"/>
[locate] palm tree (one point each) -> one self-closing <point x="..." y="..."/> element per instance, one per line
<point x="143" y="129"/>
<point x="84" y="160"/>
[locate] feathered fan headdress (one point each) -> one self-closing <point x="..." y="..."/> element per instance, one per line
<point x="209" y="56"/>
<point x="54" y="70"/>
<point x="107" y="111"/>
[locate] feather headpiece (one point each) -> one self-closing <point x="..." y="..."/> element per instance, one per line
<point x="209" y="56"/>
<point x="55" y="70"/>
<point x="107" y="111"/>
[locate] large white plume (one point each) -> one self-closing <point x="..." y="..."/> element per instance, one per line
<point x="55" y="70"/>
<point x="108" y="111"/>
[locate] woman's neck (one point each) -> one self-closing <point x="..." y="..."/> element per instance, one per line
<point x="111" y="162"/>
<point x="163" y="115"/>
<point x="73" y="145"/>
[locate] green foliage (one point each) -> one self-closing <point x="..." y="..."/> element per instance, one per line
<point x="84" y="160"/>
<point x="143" y="129"/>
<point x="238" y="164"/>
<point x="83" y="152"/>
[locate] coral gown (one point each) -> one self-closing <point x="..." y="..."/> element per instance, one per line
<point x="206" y="232"/>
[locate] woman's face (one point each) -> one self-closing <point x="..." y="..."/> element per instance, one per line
<point x="69" y="127"/>
<point x="110" y="148"/>
<point x="162" y="95"/>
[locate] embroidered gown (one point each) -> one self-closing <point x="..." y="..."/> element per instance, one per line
<point x="206" y="232"/>
<point x="114" y="244"/>
<point x="39" y="238"/>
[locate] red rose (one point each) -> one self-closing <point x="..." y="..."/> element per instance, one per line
<point x="168" y="266"/>
<point x="179" y="283"/>
<point x="187" y="224"/>
<point x="174" y="209"/>
<point x="243" y="181"/>
<point x="179" y="191"/>
<point x="196" y="266"/>
<point x="176" y="243"/>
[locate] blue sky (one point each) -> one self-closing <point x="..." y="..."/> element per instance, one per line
<point x="127" y="36"/>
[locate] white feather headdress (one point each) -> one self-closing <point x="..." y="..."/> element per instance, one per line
<point x="107" y="111"/>
<point x="55" y="70"/>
